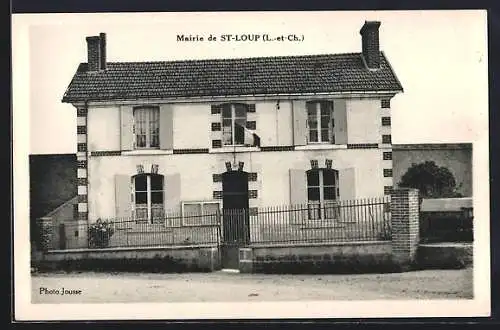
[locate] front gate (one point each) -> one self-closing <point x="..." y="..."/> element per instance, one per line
<point x="235" y="218"/>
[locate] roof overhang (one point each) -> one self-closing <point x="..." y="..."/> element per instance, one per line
<point x="226" y="98"/>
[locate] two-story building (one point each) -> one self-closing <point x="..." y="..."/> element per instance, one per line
<point x="196" y="136"/>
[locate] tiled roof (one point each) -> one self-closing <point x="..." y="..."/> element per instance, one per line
<point x="225" y="77"/>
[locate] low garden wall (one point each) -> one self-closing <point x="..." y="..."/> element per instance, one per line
<point x="346" y="257"/>
<point x="445" y="255"/>
<point x="376" y="245"/>
<point x="446" y="220"/>
<point x="164" y="259"/>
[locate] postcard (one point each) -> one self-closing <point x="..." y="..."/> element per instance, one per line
<point x="224" y="165"/>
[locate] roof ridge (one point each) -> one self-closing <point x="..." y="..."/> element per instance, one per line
<point x="239" y="58"/>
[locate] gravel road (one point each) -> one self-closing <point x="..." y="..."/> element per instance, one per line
<point x="89" y="287"/>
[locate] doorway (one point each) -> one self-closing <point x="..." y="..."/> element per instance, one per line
<point x="235" y="217"/>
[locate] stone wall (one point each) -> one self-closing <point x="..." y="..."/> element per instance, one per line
<point x="172" y="259"/>
<point x="445" y="255"/>
<point x="347" y="257"/>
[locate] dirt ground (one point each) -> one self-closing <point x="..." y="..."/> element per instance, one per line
<point x="88" y="287"/>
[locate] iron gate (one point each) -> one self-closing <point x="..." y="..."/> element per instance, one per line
<point x="235" y="218"/>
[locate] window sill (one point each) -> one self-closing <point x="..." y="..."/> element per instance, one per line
<point x="321" y="146"/>
<point x="234" y="149"/>
<point x="147" y="152"/>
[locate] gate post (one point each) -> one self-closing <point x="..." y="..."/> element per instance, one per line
<point x="245" y="260"/>
<point x="405" y="227"/>
<point x="44" y="233"/>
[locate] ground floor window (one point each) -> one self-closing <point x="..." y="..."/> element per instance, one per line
<point x="148" y="198"/>
<point x="322" y="193"/>
<point x="200" y="213"/>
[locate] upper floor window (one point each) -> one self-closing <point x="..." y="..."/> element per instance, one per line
<point x="322" y="192"/>
<point x="147" y="127"/>
<point x="148" y="197"/>
<point x="234" y="120"/>
<point x="320" y="122"/>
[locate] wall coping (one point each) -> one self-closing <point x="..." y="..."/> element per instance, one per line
<point x="342" y="243"/>
<point x="140" y="248"/>
<point x="446" y="204"/>
<point x="446" y="244"/>
<point x="432" y="146"/>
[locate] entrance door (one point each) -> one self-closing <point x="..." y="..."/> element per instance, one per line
<point x="235" y="219"/>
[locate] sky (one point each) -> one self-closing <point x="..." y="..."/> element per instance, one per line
<point x="439" y="57"/>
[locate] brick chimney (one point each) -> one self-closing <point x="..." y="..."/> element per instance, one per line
<point x="96" y="49"/>
<point x="370" y="44"/>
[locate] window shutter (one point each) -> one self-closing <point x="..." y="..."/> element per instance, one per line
<point x="166" y="127"/>
<point x="347" y="183"/>
<point x="123" y="202"/>
<point x="127" y="127"/>
<point x="172" y="193"/>
<point x="299" y="123"/>
<point x="298" y="195"/>
<point x="340" y="117"/>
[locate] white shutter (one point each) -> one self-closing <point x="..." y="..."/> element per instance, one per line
<point x="126" y="128"/>
<point x="340" y="118"/>
<point x="298" y="195"/>
<point x="166" y="127"/>
<point x="123" y="203"/>
<point x="347" y="183"/>
<point x="299" y="123"/>
<point x="172" y="192"/>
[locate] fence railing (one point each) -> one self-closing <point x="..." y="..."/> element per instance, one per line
<point x="350" y="220"/>
<point x="170" y="230"/>
<point x="353" y="220"/>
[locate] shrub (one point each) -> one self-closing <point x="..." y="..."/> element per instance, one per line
<point x="100" y="233"/>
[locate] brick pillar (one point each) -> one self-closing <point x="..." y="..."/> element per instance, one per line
<point x="45" y="233"/>
<point x="405" y="226"/>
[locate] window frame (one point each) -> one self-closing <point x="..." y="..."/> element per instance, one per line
<point x="234" y="117"/>
<point x="201" y="203"/>
<point x="149" y="110"/>
<point x="149" y="203"/>
<point x="322" y="203"/>
<point x="331" y="122"/>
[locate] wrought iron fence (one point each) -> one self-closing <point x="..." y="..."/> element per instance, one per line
<point x="170" y="230"/>
<point x="353" y="220"/>
<point x="350" y="220"/>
